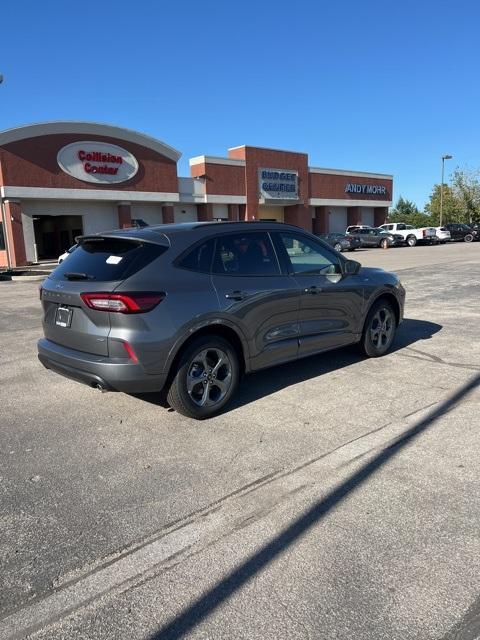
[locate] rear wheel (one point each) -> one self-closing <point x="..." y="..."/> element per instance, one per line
<point x="468" y="237"/>
<point x="337" y="246"/>
<point x="206" y="378"/>
<point x="411" y="241"/>
<point x="379" y="329"/>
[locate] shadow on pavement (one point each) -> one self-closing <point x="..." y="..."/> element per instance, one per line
<point x="264" y="383"/>
<point x="192" y="615"/>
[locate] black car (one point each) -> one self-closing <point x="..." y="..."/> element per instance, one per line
<point x="460" y="231"/>
<point x="377" y="237"/>
<point x="341" y="241"/>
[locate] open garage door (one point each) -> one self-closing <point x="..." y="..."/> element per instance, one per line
<point x="55" y="234"/>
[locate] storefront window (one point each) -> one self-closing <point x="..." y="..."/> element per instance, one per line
<point x="2" y="238"/>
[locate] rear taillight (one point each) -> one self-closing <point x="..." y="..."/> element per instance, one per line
<point x="135" y="302"/>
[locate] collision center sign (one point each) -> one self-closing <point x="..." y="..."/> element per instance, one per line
<point x="97" y="162"/>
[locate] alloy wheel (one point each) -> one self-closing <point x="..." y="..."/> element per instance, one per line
<point x="209" y="377"/>
<point x="382" y="328"/>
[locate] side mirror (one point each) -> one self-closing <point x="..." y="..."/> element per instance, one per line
<point x="351" y="267"/>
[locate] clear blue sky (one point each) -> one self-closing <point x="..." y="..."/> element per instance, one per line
<point x="384" y="86"/>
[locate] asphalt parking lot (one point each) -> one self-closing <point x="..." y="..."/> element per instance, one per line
<point x="339" y="497"/>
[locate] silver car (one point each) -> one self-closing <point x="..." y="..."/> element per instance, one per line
<point x="190" y="308"/>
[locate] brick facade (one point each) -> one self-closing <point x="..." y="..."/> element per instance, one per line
<point x="222" y="187"/>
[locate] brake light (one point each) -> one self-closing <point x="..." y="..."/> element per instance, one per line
<point x="135" y="302"/>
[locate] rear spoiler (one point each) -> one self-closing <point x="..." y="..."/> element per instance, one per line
<point x="132" y="235"/>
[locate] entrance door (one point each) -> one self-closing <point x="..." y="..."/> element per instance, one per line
<point x="55" y="234"/>
<point x="330" y="302"/>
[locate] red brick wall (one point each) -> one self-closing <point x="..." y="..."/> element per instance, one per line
<point x="33" y="163"/>
<point x="221" y="179"/>
<point x="323" y="185"/>
<point x="256" y="158"/>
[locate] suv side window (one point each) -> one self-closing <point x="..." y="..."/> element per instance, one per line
<point x="307" y="257"/>
<point x="401" y="227"/>
<point x="199" y="258"/>
<point x="245" y="254"/>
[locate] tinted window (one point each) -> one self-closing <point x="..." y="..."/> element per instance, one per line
<point x="246" y="254"/>
<point x="108" y="259"/>
<point x="199" y="258"/>
<point x="2" y="238"/>
<point x="400" y="227"/>
<point x="306" y="256"/>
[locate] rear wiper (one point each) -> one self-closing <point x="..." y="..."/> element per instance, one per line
<point x="73" y="275"/>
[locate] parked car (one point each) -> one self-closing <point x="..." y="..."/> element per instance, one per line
<point x="139" y="223"/>
<point x="377" y="237"/>
<point x="460" y="231"/>
<point x="65" y="255"/>
<point x="410" y="234"/>
<point x="443" y="235"/>
<point x="355" y="227"/>
<point x="192" y="307"/>
<point x="340" y="241"/>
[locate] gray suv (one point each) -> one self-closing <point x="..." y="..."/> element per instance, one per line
<point x="192" y="307"/>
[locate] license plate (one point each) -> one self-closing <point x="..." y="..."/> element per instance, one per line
<point x="63" y="317"/>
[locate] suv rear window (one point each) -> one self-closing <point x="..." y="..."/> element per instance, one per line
<point x="106" y="259"/>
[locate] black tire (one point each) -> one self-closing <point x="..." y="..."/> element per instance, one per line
<point x="191" y="366"/>
<point x="369" y="346"/>
<point x="468" y="238"/>
<point x="338" y="247"/>
<point x="384" y="244"/>
<point x="411" y="241"/>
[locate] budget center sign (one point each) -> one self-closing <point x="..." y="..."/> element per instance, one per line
<point x="278" y="184"/>
<point x="97" y="162"/>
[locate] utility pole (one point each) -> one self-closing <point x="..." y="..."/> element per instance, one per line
<point x="445" y="157"/>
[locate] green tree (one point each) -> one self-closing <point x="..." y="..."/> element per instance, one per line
<point x="466" y="188"/>
<point x="451" y="206"/>
<point x="404" y="208"/>
<point x="408" y="212"/>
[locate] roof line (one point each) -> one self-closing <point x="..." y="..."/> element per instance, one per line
<point x="87" y="128"/>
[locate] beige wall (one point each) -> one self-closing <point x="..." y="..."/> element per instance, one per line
<point x="270" y="213"/>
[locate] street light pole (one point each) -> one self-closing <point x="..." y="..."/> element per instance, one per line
<point x="445" y="157"/>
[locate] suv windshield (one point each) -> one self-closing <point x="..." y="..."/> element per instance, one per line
<point x="107" y="259"/>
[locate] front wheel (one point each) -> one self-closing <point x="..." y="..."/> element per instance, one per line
<point x="338" y="247"/>
<point x="206" y="378"/>
<point x="411" y="241"/>
<point x="384" y="243"/>
<point x="379" y="330"/>
<point x="468" y="238"/>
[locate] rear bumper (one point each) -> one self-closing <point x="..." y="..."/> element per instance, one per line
<point x="110" y="374"/>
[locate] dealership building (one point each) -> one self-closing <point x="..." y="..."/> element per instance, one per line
<point x="59" y="180"/>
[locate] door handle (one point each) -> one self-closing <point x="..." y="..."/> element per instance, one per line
<point x="236" y="295"/>
<point x="313" y="290"/>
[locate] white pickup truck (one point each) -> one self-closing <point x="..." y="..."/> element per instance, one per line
<point x="411" y="234"/>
